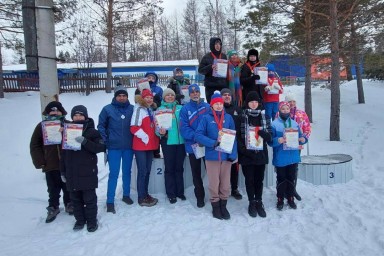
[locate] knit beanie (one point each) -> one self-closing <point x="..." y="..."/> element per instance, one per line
<point x="53" y="106"/>
<point x="231" y="53"/>
<point x="225" y="90"/>
<point x="79" y="109"/>
<point x="146" y="93"/>
<point x="121" y="90"/>
<point x="216" y="97"/>
<point x="290" y="97"/>
<point x="193" y="87"/>
<point x="168" y="91"/>
<point x="176" y="70"/>
<point x="252" y="96"/>
<point x="283" y="103"/>
<point x="253" y="52"/>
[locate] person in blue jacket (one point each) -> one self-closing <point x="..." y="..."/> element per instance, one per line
<point x="218" y="163"/>
<point x="190" y="116"/>
<point x="114" y="127"/>
<point x="285" y="160"/>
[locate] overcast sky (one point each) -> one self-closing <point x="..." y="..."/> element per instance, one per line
<point x="170" y="6"/>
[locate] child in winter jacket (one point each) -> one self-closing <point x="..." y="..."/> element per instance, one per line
<point x="272" y="91"/>
<point x="144" y="143"/>
<point x="79" y="170"/>
<point x="218" y="163"/>
<point x="285" y="159"/>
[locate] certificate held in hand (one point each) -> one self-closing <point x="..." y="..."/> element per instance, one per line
<point x="221" y="68"/>
<point x="291" y="136"/>
<point x="227" y="140"/>
<point x="254" y="141"/>
<point x="51" y="132"/>
<point x="263" y="73"/>
<point x="163" y="118"/>
<point x="71" y="131"/>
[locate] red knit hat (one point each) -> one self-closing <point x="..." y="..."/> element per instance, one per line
<point x="146" y="93"/>
<point x="283" y="103"/>
<point x="216" y="97"/>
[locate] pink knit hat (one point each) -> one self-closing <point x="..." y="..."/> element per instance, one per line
<point x="283" y="103"/>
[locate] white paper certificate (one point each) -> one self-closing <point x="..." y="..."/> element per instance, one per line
<point x="198" y="151"/>
<point x="184" y="91"/>
<point x="263" y="73"/>
<point x="222" y="68"/>
<point x="227" y="139"/>
<point x="143" y="84"/>
<point x="51" y="132"/>
<point x="275" y="88"/>
<point x="164" y="118"/>
<point x="254" y="142"/>
<point x="71" y="131"/>
<point x="291" y="139"/>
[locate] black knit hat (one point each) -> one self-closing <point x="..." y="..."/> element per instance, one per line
<point x="79" y="109"/>
<point x="176" y="70"/>
<point x="120" y="90"/>
<point x="253" y="52"/>
<point x="252" y="96"/>
<point x="53" y="106"/>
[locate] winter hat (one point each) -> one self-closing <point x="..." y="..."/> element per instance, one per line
<point x="283" y="103"/>
<point x="252" y="96"/>
<point x="168" y="91"/>
<point x="231" y="53"/>
<point x="53" y="106"/>
<point x="146" y="93"/>
<point x="79" y="109"/>
<point x="176" y="70"/>
<point x="216" y="97"/>
<point x="290" y="97"/>
<point x="271" y="67"/>
<point x="226" y="90"/>
<point x="121" y="90"/>
<point x="253" y="52"/>
<point x="193" y="87"/>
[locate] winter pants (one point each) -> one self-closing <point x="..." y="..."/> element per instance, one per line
<point x="271" y="109"/>
<point x="234" y="176"/>
<point x="285" y="180"/>
<point x="85" y="206"/>
<point x="116" y="158"/>
<point x="219" y="175"/>
<point x="55" y="185"/>
<point x="196" y="176"/>
<point x="174" y="156"/>
<point x="254" y="176"/>
<point x="144" y="165"/>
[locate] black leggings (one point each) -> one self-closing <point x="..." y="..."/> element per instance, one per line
<point x="254" y="176"/>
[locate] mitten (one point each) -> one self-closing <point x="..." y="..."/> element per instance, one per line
<point x="143" y="136"/>
<point x="267" y="88"/>
<point x="265" y="135"/>
<point x="256" y="77"/>
<point x="81" y="140"/>
<point x="217" y="143"/>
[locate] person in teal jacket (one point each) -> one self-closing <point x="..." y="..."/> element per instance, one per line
<point x="218" y="163"/>
<point x="173" y="148"/>
<point x="285" y="159"/>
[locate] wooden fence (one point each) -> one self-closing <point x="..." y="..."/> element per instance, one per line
<point x="73" y="82"/>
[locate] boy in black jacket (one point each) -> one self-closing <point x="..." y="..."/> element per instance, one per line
<point x="79" y="170"/>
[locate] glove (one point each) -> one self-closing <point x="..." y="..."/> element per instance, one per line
<point x="268" y="88"/>
<point x="217" y="143"/>
<point x="263" y="134"/>
<point x="63" y="179"/>
<point x="81" y="140"/>
<point x="143" y="136"/>
<point x="201" y="145"/>
<point x="277" y="87"/>
<point x="231" y="160"/>
<point x="256" y="77"/>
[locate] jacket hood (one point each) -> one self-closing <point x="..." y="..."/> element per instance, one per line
<point x="153" y="74"/>
<point x="212" y="45"/>
<point x="119" y="104"/>
<point x="140" y="101"/>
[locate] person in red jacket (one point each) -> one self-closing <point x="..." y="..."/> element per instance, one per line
<point x="272" y="91"/>
<point x="144" y="142"/>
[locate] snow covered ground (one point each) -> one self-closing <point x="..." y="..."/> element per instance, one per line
<point x="340" y="219"/>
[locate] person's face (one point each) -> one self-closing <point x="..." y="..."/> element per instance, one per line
<point x="252" y="57"/>
<point x="169" y="98"/>
<point x="148" y="100"/>
<point x="122" y="98"/>
<point x="194" y="95"/>
<point x="218" y="106"/>
<point x="78" y="117"/>
<point x="55" y="112"/>
<point x="285" y="109"/>
<point x="234" y="57"/>
<point x="292" y="103"/>
<point x="217" y="46"/>
<point x="227" y="98"/>
<point x="179" y="73"/>
<point x="253" y="104"/>
<point x="151" y="78"/>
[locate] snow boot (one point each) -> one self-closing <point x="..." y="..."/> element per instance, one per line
<point x="92" y="226"/>
<point x="216" y="212"/>
<point x="127" y="200"/>
<point x="69" y="208"/>
<point x="260" y="208"/>
<point x="280" y="203"/>
<point x="252" y="209"/>
<point x="224" y="212"/>
<point x="79" y="225"/>
<point x="52" y="213"/>
<point x="236" y="194"/>
<point x="200" y="203"/>
<point x="291" y="203"/>
<point x="111" y="208"/>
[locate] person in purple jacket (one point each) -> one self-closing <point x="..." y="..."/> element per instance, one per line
<point x="218" y="163"/>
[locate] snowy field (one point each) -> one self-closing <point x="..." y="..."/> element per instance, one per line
<point x="340" y="219"/>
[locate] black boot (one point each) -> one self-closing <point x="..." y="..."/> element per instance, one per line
<point x="252" y="209"/>
<point x="216" y="212"/>
<point x="236" y="194"/>
<point x="280" y="203"/>
<point x="291" y="203"/>
<point x="260" y="208"/>
<point x="224" y="212"/>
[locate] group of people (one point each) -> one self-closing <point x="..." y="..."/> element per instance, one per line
<point x="219" y="133"/>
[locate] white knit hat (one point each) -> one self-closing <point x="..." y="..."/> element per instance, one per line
<point x="290" y="97"/>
